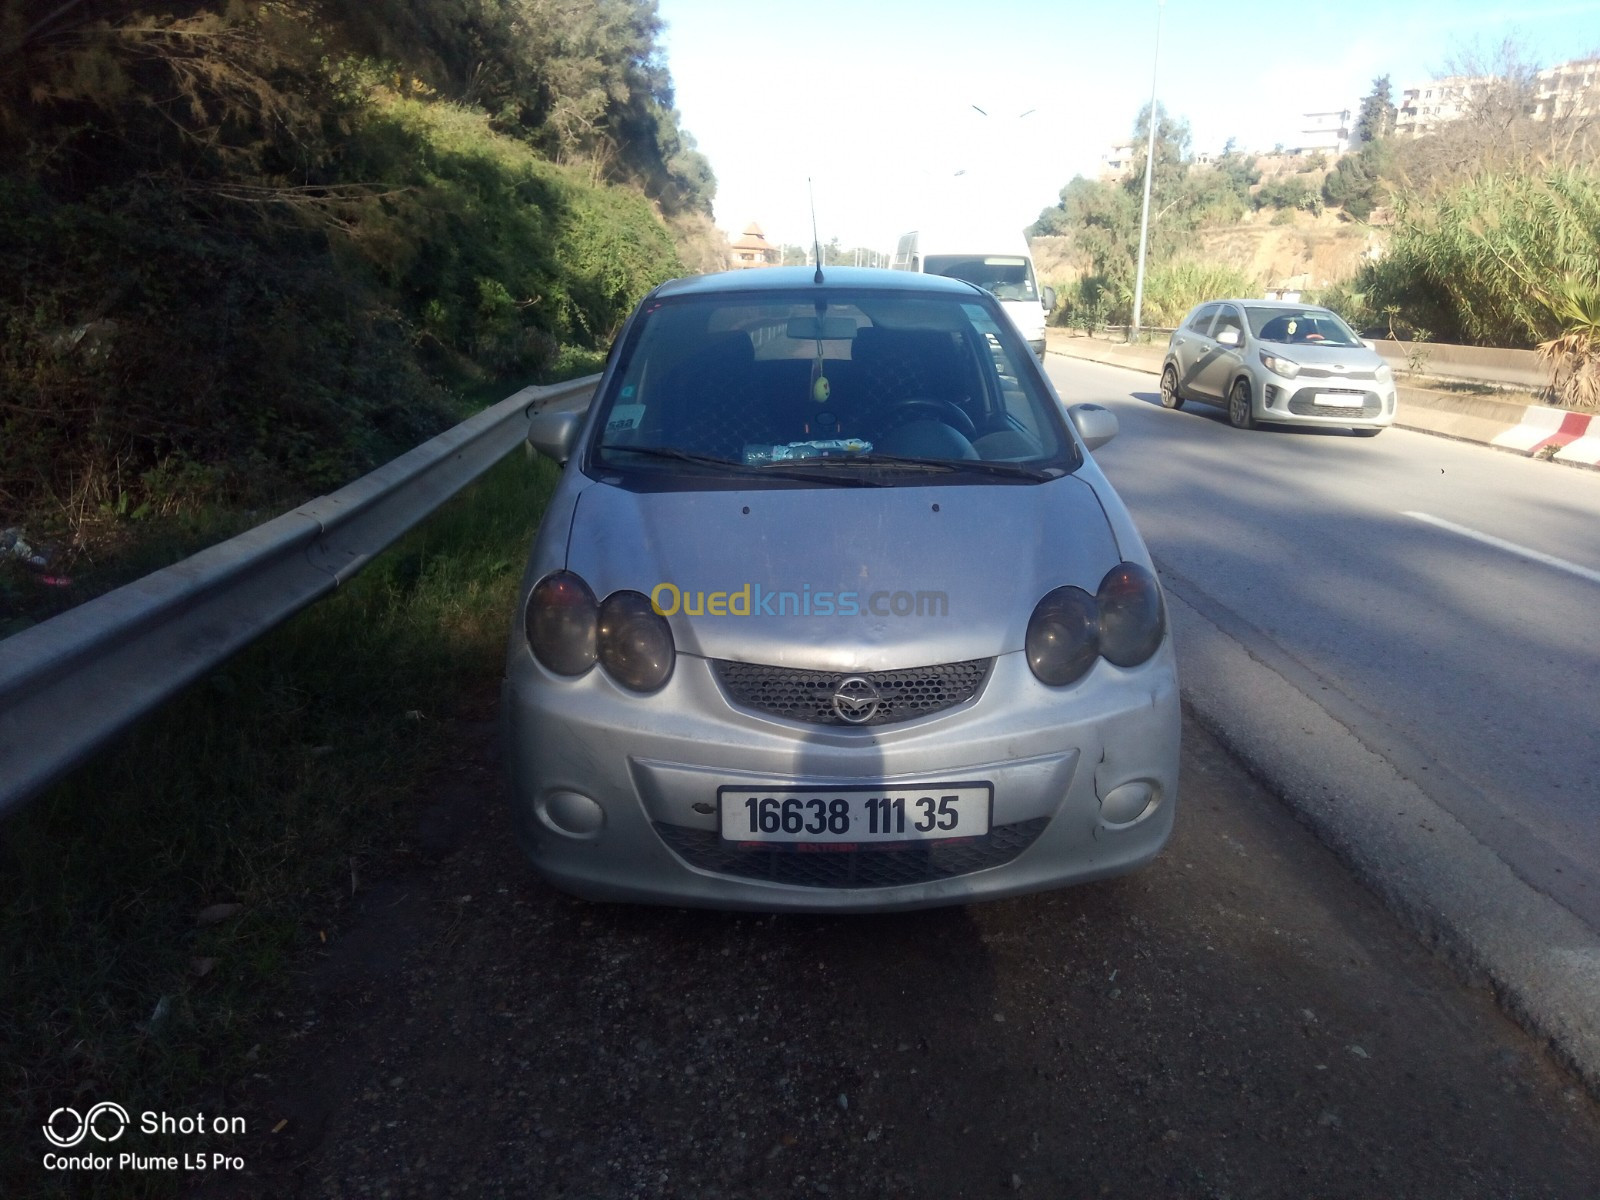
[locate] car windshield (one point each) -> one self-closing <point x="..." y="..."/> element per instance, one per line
<point x="1008" y="276"/>
<point x="827" y="387"/>
<point x="1300" y="326"/>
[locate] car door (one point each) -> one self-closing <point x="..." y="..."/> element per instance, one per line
<point x="1222" y="358"/>
<point x="1189" y="344"/>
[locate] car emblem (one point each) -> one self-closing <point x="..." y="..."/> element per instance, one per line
<point x="855" y="700"/>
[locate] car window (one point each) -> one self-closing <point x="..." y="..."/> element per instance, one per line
<point x="1228" y="318"/>
<point x="1007" y="276"/>
<point x="754" y="380"/>
<point x="1202" y="318"/>
<point x="1299" y="326"/>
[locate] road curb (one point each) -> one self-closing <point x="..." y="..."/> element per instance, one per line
<point x="1542" y="962"/>
<point x="1532" y="431"/>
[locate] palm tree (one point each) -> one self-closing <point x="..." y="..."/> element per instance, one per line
<point x="1573" y="355"/>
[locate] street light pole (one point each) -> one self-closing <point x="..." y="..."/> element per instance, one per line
<point x="1149" y="170"/>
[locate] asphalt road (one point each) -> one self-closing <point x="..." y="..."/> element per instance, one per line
<point x="1472" y="666"/>
<point x="1239" y="1019"/>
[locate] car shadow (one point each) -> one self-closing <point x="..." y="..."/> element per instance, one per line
<point x="1216" y="412"/>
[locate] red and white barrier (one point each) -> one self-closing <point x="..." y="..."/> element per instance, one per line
<point x="1576" y="436"/>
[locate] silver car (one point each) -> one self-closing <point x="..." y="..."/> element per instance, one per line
<point x="1268" y="361"/>
<point x="832" y="611"/>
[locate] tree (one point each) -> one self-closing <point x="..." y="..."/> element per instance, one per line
<point x="1356" y="184"/>
<point x="1377" y="116"/>
<point x="1171" y="151"/>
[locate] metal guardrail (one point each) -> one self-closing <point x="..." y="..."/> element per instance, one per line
<point x="71" y="684"/>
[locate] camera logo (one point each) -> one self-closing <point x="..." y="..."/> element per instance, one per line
<point x="65" y="1128"/>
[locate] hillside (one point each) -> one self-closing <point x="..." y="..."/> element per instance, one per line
<point x="251" y="250"/>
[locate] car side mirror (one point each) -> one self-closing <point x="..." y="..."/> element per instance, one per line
<point x="1095" y="424"/>
<point x="1049" y="299"/>
<point x="1370" y="344"/>
<point x="555" y="434"/>
<point x="1228" y="337"/>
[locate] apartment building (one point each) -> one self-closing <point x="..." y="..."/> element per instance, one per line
<point x="1116" y="164"/>
<point x="1425" y="107"/>
<point x="1328" y="132"/>
<point x="1571" y="89"/>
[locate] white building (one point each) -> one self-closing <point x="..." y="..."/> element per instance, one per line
<point x="1569" y="90"/>
<point x="1116" y="164"/>
<point x="1427" y="106"/>
<point x="1327" y="132"/>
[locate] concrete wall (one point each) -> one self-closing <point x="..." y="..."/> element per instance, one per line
<point x="1481" y="364"/>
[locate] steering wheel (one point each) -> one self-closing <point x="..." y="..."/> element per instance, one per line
<point x="937" y="410"/>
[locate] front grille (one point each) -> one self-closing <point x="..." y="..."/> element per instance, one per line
<point x="1303" y="404"/>
<point x="1323" y="373"/>
<point x="878" y="867"/>
<point x="808" y="695"/>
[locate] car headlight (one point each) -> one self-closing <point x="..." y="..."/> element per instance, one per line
<point x="1063" y="636"/>
<point x="1280" y="366"/>
<point x="635" y="642"/>
<point x="1383" y="374"/>
<point x="1133" y="615"/>
<point x="560" y="621"/>
<point x="1123" y="622"/>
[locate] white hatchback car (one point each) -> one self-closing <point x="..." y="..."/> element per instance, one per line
<point x="1267" y="361"/>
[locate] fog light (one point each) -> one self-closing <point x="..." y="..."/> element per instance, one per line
<point x="1273" y="392"/>
<point x="572" y="814"/>
<point x="1127" y="802"/>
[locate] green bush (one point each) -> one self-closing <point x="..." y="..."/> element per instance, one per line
<point x="1482" y="262"/>
<point x="1290" y="193"/>
<point x="160" y="354"/>
<point x="1171" y="289"/>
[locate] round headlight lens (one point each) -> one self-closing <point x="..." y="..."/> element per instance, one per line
<point x="1133" y="615"/>
<point x="1063" y="636"/>
<point x="560" y="621"/>
<point x="635" y="642"/>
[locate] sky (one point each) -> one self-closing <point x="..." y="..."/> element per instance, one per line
<point x="876" y="101"/>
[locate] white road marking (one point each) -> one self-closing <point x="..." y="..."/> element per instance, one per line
<point x="1487" y="539"/>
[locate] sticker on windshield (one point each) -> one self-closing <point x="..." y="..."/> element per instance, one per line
<point x="833" y="448"/>
<point x="624" y="417"/>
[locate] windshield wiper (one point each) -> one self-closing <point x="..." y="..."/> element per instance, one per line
<point x="1005" y="470"/>
<point x="770" y="470"/>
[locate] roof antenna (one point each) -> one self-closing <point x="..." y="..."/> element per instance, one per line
<point x="816" y="241"/>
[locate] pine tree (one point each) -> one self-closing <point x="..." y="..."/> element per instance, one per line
<point x="1377" y="116"/>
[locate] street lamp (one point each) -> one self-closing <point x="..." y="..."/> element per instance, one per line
<point x="1149" y="170"/>
<point x="983" y="112"/>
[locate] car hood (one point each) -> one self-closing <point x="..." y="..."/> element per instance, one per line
<point x="954" y="571"/>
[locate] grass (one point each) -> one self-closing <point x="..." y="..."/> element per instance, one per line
<point x="270" y="785"/>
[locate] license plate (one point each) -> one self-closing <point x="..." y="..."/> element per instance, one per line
<point x="804" y="816"/>
<point x="1335" y="400"/>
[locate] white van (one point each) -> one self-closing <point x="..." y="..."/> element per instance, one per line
<point x="998" y="262"/>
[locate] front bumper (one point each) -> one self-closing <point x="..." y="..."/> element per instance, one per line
<point x="1367" y="403"/>
<point x="614" y="795"/>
